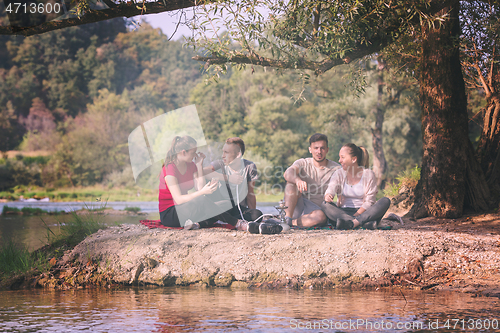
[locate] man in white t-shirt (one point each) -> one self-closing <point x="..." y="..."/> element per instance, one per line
<point x="306" y="182"/>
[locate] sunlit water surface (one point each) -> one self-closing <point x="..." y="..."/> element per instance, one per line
<point x="218" y="309"/>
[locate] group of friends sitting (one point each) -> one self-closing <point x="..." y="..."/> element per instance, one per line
<point x="312" y="184"/>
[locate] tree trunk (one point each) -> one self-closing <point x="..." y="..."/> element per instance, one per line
<point x="441" y="189"/>
<point x="488" y="151"/>
<point x="379" y="162"/>
<point x="477" y="193"/>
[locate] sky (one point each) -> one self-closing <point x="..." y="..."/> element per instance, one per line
<point x="167" y="22"/>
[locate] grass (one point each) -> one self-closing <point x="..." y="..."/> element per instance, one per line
<point x="113" y="194"/>
<point x="268" y="196"/>
<point x="16" y="259"/>
<point x="81" y="193"/>
<point x="133" y="209"/>
<point x="409" y="178"/>
<point x="28" y="211"/>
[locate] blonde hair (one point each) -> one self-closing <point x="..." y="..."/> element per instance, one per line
<point x="179" y="143"/>
<point x="360" y="153"/>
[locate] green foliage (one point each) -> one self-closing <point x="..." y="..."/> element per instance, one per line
<point x="8" y="195"/>
<point x="409" y="178"/>
<point x="17" y="259"/>
<point x="276" y="128"/>
<point x="79" y="92"/>
<point x="81" y="226"/>
<point x="10" y="210"/>
<point x="32" y="211"/>
<point x="21" y="171"/>
<point x="133" y="209"/>
<point x="303" y="34"/>
<point x="27" y="211"/>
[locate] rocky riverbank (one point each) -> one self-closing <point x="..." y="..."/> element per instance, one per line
<point x="431" y="253"/>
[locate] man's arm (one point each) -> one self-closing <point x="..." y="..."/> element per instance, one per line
<point x="291" y="175"/>
<point x="251" y="198"/>
<point x="210" y="173"/>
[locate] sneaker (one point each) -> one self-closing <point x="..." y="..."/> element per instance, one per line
<point x="270" y="228"/>
<point x="370" y="225"/>
<point x="344" y="224"/>
<point x="242" y="225"/>
<point x="253" y="227"/>
<point x="189" y="225"/>
<point x="284" y="226"/>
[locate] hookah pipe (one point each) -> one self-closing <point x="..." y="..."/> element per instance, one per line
<point x="281" y="209"/>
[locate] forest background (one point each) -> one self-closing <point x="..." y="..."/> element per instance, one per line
<point x="71" y="98"/>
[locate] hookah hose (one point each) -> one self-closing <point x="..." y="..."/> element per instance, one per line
<point x="239" y="208"/>
<point x="226" y="180"/>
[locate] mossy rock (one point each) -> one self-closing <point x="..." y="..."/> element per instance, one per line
<point x="223" y="280"/>
<point x="266" y="277"/>
<point x="239" y="285"/>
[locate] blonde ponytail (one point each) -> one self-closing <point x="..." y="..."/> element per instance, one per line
<point x="365" y="160"/>
<point x="179" y="143"/>
<point x="361" y="154"/>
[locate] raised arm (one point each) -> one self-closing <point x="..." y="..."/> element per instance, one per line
<point x="291" y="175"/>
<point x="199" y="178"/>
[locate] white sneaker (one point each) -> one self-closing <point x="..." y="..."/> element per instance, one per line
<point x="242" y="225"/>
<point x="189" y="225"/>
<point x="285" y="226"/>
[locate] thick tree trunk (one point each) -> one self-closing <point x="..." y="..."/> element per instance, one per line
<point x="441" y="189"/>
<point x="379" y="162"/>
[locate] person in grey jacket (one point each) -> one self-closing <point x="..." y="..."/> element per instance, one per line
<point x="355" y="186"/>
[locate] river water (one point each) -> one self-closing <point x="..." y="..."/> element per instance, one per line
<point x="225" y="310"/>
<point x="190" y="309"/>
<point x="33" y="232"/>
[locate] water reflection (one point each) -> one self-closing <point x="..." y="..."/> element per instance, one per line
<point x="215" y="310"/>
<point x="32" y="230"/>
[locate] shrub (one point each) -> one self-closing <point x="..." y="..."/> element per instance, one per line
<point x="409" y="178"/>
<point x="42" y="160"/>
<point x="10" y="210"/>
<point x="33" y="211"/>
<point x="41" y="195"/>
<point x="133" y="209"/>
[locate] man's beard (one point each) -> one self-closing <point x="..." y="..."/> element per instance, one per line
<point x="319" y="161"/>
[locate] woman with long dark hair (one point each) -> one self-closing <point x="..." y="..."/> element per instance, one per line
<point x="181" y="172"/>
<point x="356" y="188"/>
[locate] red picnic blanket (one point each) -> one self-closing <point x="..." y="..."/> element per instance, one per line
<point x="151" y="224"/>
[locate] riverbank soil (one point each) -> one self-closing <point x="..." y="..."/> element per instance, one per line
<point x="453" y="254"/>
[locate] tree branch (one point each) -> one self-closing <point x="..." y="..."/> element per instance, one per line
<point x="317" y="13"/>
<point x="128" y="9"/>
<point x="254" y="59"/>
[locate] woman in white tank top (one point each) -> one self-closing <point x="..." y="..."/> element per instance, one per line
<point x="356" y="188"/>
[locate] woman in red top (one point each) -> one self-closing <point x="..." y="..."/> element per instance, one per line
<point x="183" y="170"/>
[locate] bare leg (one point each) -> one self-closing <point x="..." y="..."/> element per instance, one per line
<point x="314" y="219"/>
<point x="292" y="195"/>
